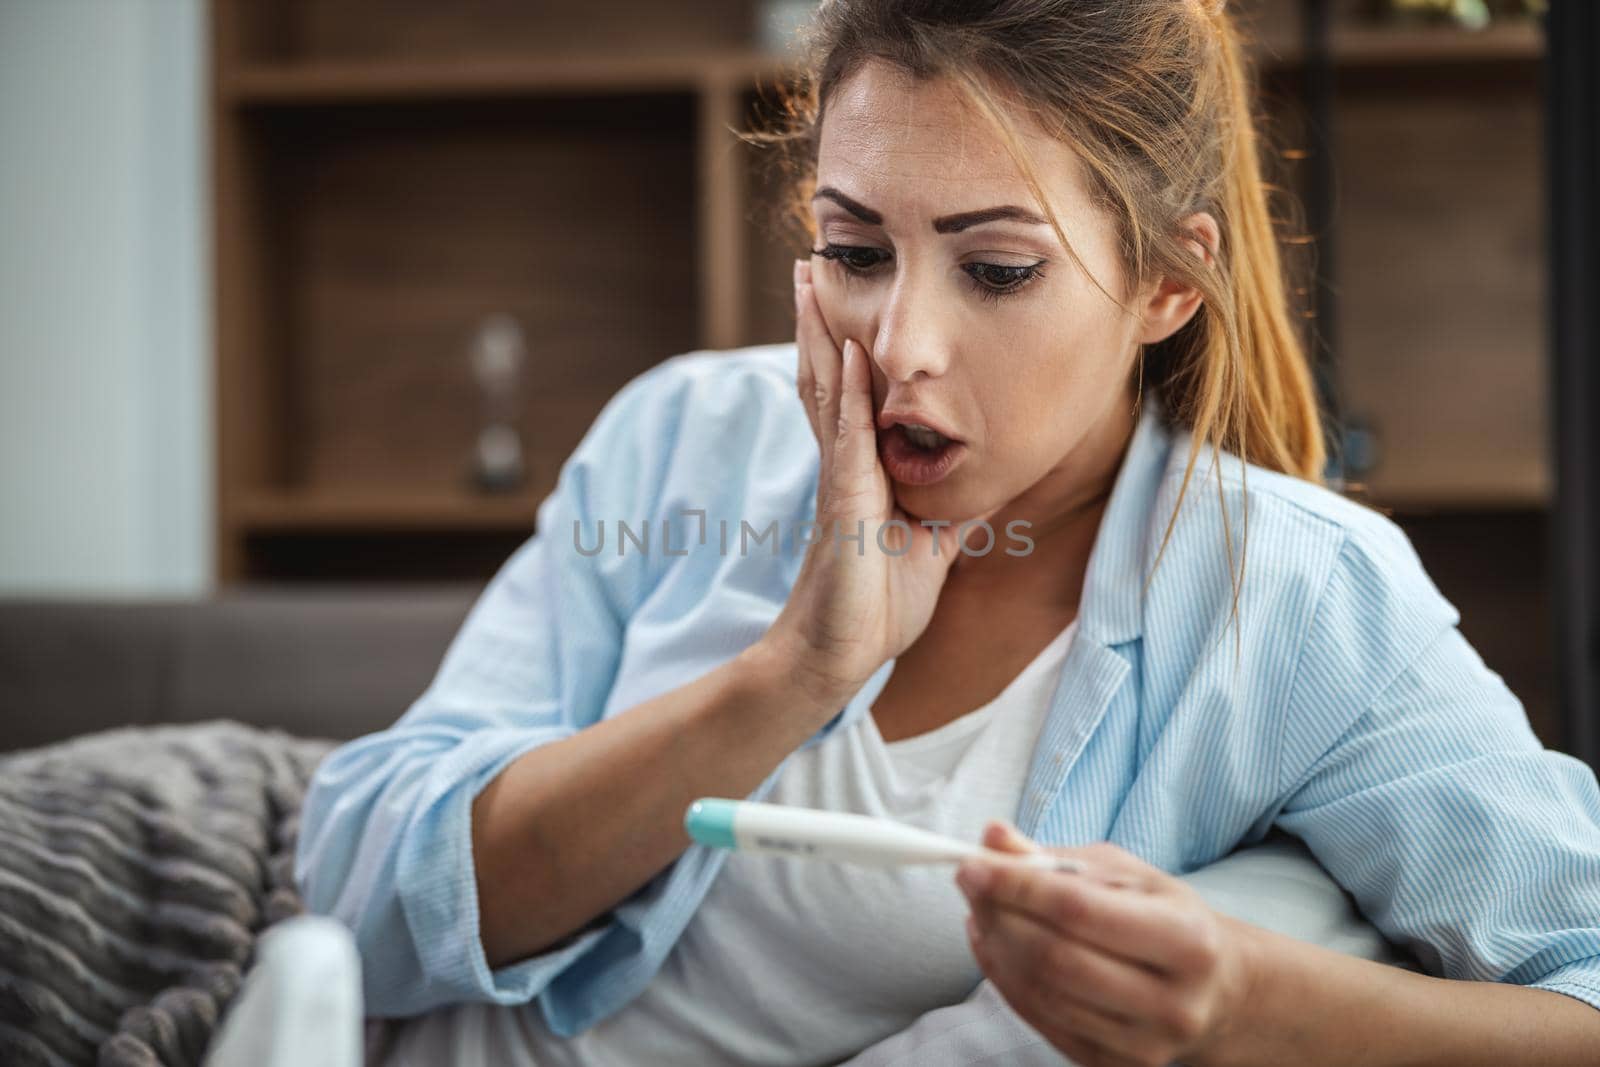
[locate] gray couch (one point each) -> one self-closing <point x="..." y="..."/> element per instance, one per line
<point x="340" y="663"/>
<point x="313" y="662"/>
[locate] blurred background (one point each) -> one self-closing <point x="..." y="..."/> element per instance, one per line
<point x="304" y="302"/>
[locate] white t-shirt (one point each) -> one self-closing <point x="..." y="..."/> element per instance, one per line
<point x="790" y="961"/>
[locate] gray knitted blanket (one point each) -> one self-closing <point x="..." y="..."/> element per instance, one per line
<point x="137" y="867"/>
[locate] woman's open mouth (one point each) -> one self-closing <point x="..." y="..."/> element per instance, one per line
<point x="918" y="455"/>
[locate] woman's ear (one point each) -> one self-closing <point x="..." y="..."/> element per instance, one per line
<point x="1171" y="304"/>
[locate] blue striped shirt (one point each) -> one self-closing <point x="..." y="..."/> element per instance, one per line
<point x="1343" y="705"/>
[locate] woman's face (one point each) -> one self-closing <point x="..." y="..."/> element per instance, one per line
<point x="983" y="324"/>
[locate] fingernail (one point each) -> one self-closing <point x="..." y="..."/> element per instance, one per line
<point x="1018" y="836"/>
<point x="973" y="877"/>
<point x="972" y="927"/>
<point x="799" y="271"/>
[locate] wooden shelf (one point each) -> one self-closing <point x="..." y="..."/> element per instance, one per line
<point x="1502" y="41"/>
<point x="325" y="82"/>
<point x="1377" y="46"/>
<point x="327" y="511"/>
<point x="1436" y="499"/>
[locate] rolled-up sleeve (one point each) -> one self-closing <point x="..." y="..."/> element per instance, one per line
<point x="385" y="838"/>
<point x="1413" y="775"/>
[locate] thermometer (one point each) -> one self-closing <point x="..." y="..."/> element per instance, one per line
<point x="842" y="837"/>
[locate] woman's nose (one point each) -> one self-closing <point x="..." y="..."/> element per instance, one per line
<point x="911" y="338"/>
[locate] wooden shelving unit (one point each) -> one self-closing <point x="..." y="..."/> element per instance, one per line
<point x="387" y="174"/>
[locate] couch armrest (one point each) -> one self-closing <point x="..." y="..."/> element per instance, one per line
<point x="314" y="662"/>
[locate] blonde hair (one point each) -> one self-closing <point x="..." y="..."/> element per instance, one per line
<point x="1171" y="132"/>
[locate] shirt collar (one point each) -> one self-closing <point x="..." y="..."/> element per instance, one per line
<point x="1112" y="606"/>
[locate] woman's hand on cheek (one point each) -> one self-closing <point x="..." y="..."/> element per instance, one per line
<point x="870" y="578"/>
<point x="1121" y="964"/>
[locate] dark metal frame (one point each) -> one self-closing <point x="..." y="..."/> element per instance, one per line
<point x="1572" y="143"/>
<point x="1316" y="20"/>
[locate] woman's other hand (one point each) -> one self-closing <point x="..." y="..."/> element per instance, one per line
<point x="861" y="597"/>
<point x="1119" y="965"/>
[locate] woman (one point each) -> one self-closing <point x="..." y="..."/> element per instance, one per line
<point x="968" y="578"/>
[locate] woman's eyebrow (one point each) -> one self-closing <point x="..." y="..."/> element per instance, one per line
<point x="942" y="224"/>
<point x="865" y="214"/>
<point x="957" y="223"/>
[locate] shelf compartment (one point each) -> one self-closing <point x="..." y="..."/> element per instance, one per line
<point x="398" y="232"/>
<point x="292" y="512"/>
<point x="1448" y="368"/>
<point x="400" y="30"/>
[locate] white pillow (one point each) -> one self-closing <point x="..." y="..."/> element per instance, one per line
<point x="1279" y="885"/>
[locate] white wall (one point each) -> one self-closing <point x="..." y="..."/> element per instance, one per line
<point x="105" y="409"/>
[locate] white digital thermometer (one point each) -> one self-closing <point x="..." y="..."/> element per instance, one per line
<point x="842" y="837"/>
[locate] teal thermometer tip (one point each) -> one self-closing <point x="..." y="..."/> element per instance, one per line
<point x="709" y="821"/>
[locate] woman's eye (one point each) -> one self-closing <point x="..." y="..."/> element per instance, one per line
<point x="857" y="258"/>
<point x="993" y="280"/>
<point x="990" y="280"/>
